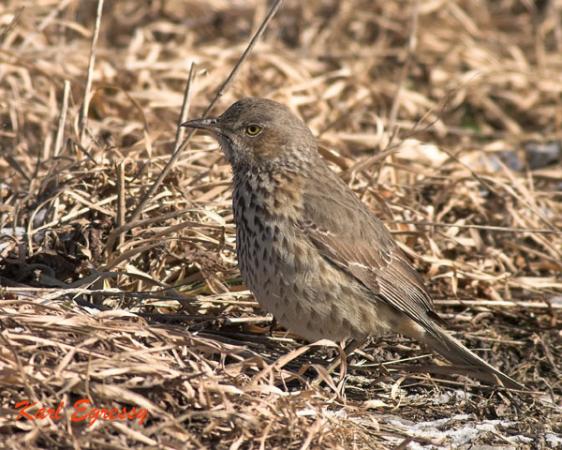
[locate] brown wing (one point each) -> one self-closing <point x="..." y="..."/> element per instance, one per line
<point x="350" y="237"/>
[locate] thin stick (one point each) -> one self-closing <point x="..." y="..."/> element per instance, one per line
<point x="500" y="303"/>
<point x="5" y="29"/>
<point x="62" y="119"/>
<point x="83" y="122"/>
<point x="177" y="148"/>
<point x="244" y="56"/>
<point x="180" y="131"/>
<point x="480" y="227"/>
<point x="218" y="95"/>
<point x="121" y="199"/>
<point x="412" y="43"/>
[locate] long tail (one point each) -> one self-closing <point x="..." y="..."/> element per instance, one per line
<point x="446" y="345"/>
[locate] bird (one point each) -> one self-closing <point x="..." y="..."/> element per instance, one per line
<point x="311" y="252"/>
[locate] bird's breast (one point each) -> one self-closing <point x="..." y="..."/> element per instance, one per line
<point x="286" y="272"/>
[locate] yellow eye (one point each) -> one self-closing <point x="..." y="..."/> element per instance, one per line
<point x="253" y="130"/>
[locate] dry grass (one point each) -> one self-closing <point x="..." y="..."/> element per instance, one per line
<point x="436" y="113"/>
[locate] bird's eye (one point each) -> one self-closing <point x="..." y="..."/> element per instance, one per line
<point x="253" y="130"/>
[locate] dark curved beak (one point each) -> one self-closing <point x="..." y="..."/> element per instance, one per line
<point x="203" y="124"/>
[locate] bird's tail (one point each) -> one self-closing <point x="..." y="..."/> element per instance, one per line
<point x="448" y="347"/>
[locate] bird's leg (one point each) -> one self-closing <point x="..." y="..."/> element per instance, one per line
<point x="272" y="325"/>
<point x="351" y="346"/>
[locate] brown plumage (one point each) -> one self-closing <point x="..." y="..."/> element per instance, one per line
<point x="310" y="251"/>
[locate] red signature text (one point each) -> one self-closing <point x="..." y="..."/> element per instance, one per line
<point x="83" y="411"/>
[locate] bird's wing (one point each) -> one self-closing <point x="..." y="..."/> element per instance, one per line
<point x="350" y="237"/>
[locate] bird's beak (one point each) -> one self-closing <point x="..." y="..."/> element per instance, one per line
<point x="203" y="124"/>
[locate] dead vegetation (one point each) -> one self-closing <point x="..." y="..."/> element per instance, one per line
<point x="444" y="116"/>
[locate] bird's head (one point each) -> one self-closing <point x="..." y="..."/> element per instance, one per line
<point x="257" y="132"/>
